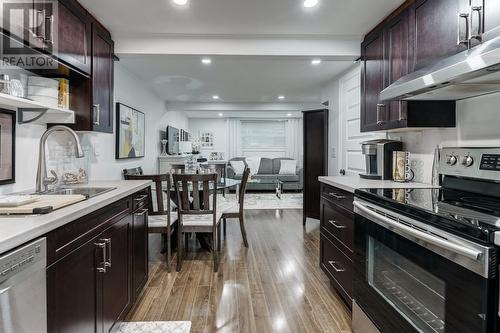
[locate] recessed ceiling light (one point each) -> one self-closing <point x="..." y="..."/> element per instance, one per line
<point x="289" y="114"/>
<point x="221" y="114"/>
<point x="206" y="61"/>
<point x="310" y="3"/>
<point x="180" y="2"/>
<point x="215" y="96"/>
<point x="316" y="61"/>
<point x="281" y="97"/>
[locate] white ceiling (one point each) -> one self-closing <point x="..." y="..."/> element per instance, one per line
<point x="230" y="17"/>
<point x="259" y="48"/>
<point x="233" y="78"/>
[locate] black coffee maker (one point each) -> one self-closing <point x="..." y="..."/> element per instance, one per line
<point x="378" y="154"/>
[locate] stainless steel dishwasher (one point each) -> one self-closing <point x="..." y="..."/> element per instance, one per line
<point x="23" y="294"/>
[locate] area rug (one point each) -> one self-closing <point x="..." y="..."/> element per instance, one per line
<point x="155" y="327"/>
<point x="270" y="200"/>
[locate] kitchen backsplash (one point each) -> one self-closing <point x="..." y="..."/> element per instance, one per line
<point x="478" y="125"/>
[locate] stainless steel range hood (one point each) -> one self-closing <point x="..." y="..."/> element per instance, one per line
<point x="468" y="74"/>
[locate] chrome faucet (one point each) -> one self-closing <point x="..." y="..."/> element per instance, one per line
<point x="42" y="180"/>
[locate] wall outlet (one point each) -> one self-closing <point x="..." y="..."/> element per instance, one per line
<point x="334" y="153"/>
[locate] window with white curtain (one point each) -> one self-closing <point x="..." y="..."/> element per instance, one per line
<point x="263" y="135"/>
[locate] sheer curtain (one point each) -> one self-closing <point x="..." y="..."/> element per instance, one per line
<point x="233" y="138"/>
<point x="294" y="140"/>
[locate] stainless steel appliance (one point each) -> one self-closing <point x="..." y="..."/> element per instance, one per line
<point x="471" y="73"/>
<point x="23" y="296"/>
<point x="426" y="259"/>
<point x="378" y="154"/>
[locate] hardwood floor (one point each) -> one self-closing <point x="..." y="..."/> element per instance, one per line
<point x="275" y="285"/>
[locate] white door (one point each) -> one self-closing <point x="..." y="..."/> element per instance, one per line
<point x="350" y="157"/>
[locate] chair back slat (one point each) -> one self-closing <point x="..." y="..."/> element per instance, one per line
<point x="196" y="187"/>
<point x="243" y="186"/>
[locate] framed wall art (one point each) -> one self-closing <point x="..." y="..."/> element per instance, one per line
<point x="130" y="132"/>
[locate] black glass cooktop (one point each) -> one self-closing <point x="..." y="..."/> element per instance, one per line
<point x="470" y="215"/>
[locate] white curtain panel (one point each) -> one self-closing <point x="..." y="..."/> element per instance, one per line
<point x="295" y="141"/>
<point x="233" y="138"/>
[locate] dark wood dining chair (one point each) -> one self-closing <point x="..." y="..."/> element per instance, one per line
<point x="197" y="209"/>
<point x="161" y="220"/>
<point x="220" y="170"/>
<point x="237" y="210"/>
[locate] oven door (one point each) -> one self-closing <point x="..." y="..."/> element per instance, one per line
<point x="411" y="277"/>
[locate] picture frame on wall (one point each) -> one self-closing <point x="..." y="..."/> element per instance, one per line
<point x="130" y="132"/>
<point x="207" y="140"/>
<point x="7" y="146"/>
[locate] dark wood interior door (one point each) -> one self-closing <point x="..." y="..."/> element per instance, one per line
<point x="438" y="29"/>
<point x="116" y="298"/>
<point x="102" y="80"/>
<point x="372" y="82"/>
<point x="315" y="159"/>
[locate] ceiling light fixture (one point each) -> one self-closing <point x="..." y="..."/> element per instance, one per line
<point x="310" y="3"/>
<point x="316" y="61"/>
<point x="281" y="97"/>
<point x="206" y="61"/>
<point x="215" y="96"/>
<point x="289" y="114"/>
<point x="221" y="114"/>
<point x="180" y="2"/>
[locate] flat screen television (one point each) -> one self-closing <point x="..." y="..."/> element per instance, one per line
<point x="173" y="140"/>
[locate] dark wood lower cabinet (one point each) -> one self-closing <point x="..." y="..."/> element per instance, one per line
<point x="96" y="272"/>
<point x="336" y="241"/>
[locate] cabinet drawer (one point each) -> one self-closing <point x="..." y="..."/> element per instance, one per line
<point x="140" y="200"/>
<point x="339" y="222"/>
<point x="338" y="267"/>
<point x="338" y="196"/>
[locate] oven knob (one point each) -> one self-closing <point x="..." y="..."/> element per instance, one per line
<point x="467" y="161"/>
<point x="452" y="160"/>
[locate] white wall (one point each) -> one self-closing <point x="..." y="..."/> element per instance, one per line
<point x="477" y="125"/>
<point x="218" y="127"/>
<point x="330" y="94"/>
<point x="103" y="165"/>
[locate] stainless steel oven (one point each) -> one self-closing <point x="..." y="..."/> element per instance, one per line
<point x="410" y="276"/>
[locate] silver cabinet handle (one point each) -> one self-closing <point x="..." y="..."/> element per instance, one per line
<point x="465" y="41"/>
<point x="107" y="243"/>
<point x="102" y="246"/>
<point x="143" y="211"/>
<point x="337" y="196"/>
<point x="97" y="114"/>
<point x="49" y="29"/>
<point x="380" y="122"/>
<point x="479" y="33"/>
<point x="336" y="225"/>
<point x="442" y="243"/>
<point x="140" y="198"/>
<point x="335" y="265"/>
<point x="401" y="118"/>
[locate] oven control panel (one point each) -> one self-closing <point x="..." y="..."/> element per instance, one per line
<point x="483" y="163"/>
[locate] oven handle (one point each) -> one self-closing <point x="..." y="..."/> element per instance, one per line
<point x="442" y="243"/>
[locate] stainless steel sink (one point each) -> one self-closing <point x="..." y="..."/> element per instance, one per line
<point x="88" y="192"/>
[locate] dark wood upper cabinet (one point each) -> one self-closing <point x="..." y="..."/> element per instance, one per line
<point x="102" y="80"/>
<point x="74" y="35"/>
<point x="439" y="29"/>
<point x="491" y="14"/>
<point x="372" y="80"/>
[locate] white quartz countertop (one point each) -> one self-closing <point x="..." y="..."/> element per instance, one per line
<point x="351" y="183"/>
<point x="17" y="230"/>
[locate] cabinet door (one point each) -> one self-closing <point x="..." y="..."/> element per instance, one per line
<point x="102" y="80"/>
<point x="372" y="81"/>
<point x="439" y="29"/>
<point x="398" y="65"/>
<point x="74" y="33"/>
<point x="116" y="298"/>
<point x="72" y="283"/>
<point x="139" y="252"/>
<point x="491" y="17"/>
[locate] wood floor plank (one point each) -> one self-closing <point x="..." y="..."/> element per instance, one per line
<point x="275" y="285"/>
